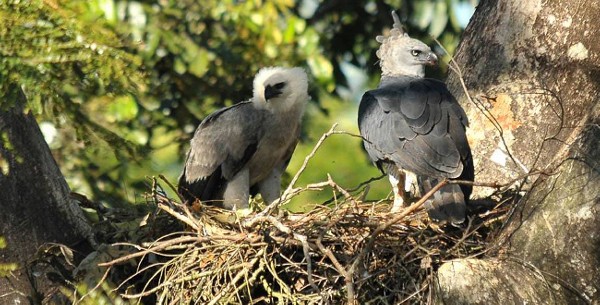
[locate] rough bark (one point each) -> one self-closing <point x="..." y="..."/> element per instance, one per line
<point x="35" y="208"/>
<point x="552" y="253"/>
<point x="534" y="66"/>
<point x="495" y="281"/>
<point x="533" y="69"/>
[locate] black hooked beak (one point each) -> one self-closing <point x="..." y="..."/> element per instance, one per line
<point x="273" y="91"/>
<point x="431" y="59"/>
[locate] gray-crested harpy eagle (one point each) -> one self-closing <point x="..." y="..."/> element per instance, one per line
<point x="248" y="145"/>
<point x="414" y="129"/>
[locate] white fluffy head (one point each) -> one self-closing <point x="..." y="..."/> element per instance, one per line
<point x="401" y="55"/>
<point x="280" y="88"/>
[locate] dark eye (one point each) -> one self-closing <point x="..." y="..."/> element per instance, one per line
<point x="415" y="52"/>
<point x="279" y="86"/>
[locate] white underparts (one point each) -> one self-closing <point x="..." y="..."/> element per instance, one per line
<point x="398" y="192"/>
<point x="270" y="188"/>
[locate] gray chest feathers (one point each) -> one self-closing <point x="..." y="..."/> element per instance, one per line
<point x="275" y="146"/>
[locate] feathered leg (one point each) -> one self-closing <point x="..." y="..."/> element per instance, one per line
<point x="237" y="191"/>
<point x="270" y="188"/>
<point x="397" y="180"/>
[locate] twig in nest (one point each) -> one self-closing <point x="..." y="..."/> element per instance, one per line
<point x="187" y="220"/>
<point x="239" y="276"/>
<point x="283" y="228"/>
<point x="331" y="257"/>
<point x="498" y="185"/>
<point x="295" y="191"/>
<point x="276" y="203"/>
<point x="311" y="155"/>
<point x="335" y="186"/>
<point x="158" y="247"/>
<point x="184" y="207"/>
<point x="274" y="221"/>
<point x="175" y="241"/>
<point x="369" y="246"/>
<point x="306" y="250"/>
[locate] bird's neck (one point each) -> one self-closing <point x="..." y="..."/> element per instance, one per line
<point x="391" y="79"/>
<point x="392" y="70"/>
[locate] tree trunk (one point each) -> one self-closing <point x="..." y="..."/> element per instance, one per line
<point x="35" y="208"/>
<point x="532" y="68"/>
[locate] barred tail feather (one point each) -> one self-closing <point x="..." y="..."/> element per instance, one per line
<point x="448" y="205"/>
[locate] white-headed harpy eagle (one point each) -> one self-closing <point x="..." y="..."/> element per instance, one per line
<point x="413" y="127"/>
<point x="248" y="145"/>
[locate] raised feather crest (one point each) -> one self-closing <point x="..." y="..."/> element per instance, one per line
<point x="397" y="32"/>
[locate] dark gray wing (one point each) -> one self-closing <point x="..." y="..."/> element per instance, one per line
<point x="222" y="145"/>
<point x="417" y="124"/>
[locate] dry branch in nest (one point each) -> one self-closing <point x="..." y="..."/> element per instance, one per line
<point x="350" y="251"/>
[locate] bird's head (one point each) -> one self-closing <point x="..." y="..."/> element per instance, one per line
<point x="281" y="88"/>
<point x="401" y="55"/>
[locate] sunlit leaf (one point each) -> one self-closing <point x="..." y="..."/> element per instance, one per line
<point x="289" y="33"/>
<point x="200" y="63"/>
<point x="271" y="50"/>
<point x="180" y="66"/>
<point x="122" y="108"/>
<point x="440" y="19"/>
<point x="276" y="34"/>
<point x="423" y="14"/>
<point x="308" y="41"/>
<point x="108" y="7"/>
<point x="6" y="269"/>
<point x="322" y="70"/>
<point x="257" y="18"/>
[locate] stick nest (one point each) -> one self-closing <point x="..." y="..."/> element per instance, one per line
<point x="348" y="251"/>
<point x="340" y="254"/>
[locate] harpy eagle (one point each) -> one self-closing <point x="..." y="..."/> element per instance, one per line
<point x="248" y="145"/>
<point x="414" y="129"/>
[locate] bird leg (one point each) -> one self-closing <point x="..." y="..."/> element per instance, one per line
<point x="270" y="188"/>
<point x="398" y="188"/>
<point x="237" y="191"/>
<point x="411" y="188"/>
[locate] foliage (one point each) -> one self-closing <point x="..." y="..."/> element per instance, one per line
<point x="6" y="268"/>
<point x="60" y="65"/>
<point x="48" y="52"/>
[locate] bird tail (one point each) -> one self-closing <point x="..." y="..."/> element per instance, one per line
<point x="448" y="204"/>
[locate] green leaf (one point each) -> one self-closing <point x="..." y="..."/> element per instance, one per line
<point x="179" y="66"/>
<point x="423" y="14"/>
<point x="109" y="10"/>
<point x="123" y="108"/>
<point x="257" y="19"/>
<point x="322" y="69"/>
<point x="309" y="41"/>
<point x="6" y="269"/>
<point x="289" y="34"/>
<point x="200" y="63"/>
<point x="440" y="20"/>
<point x="271" y="50"/>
